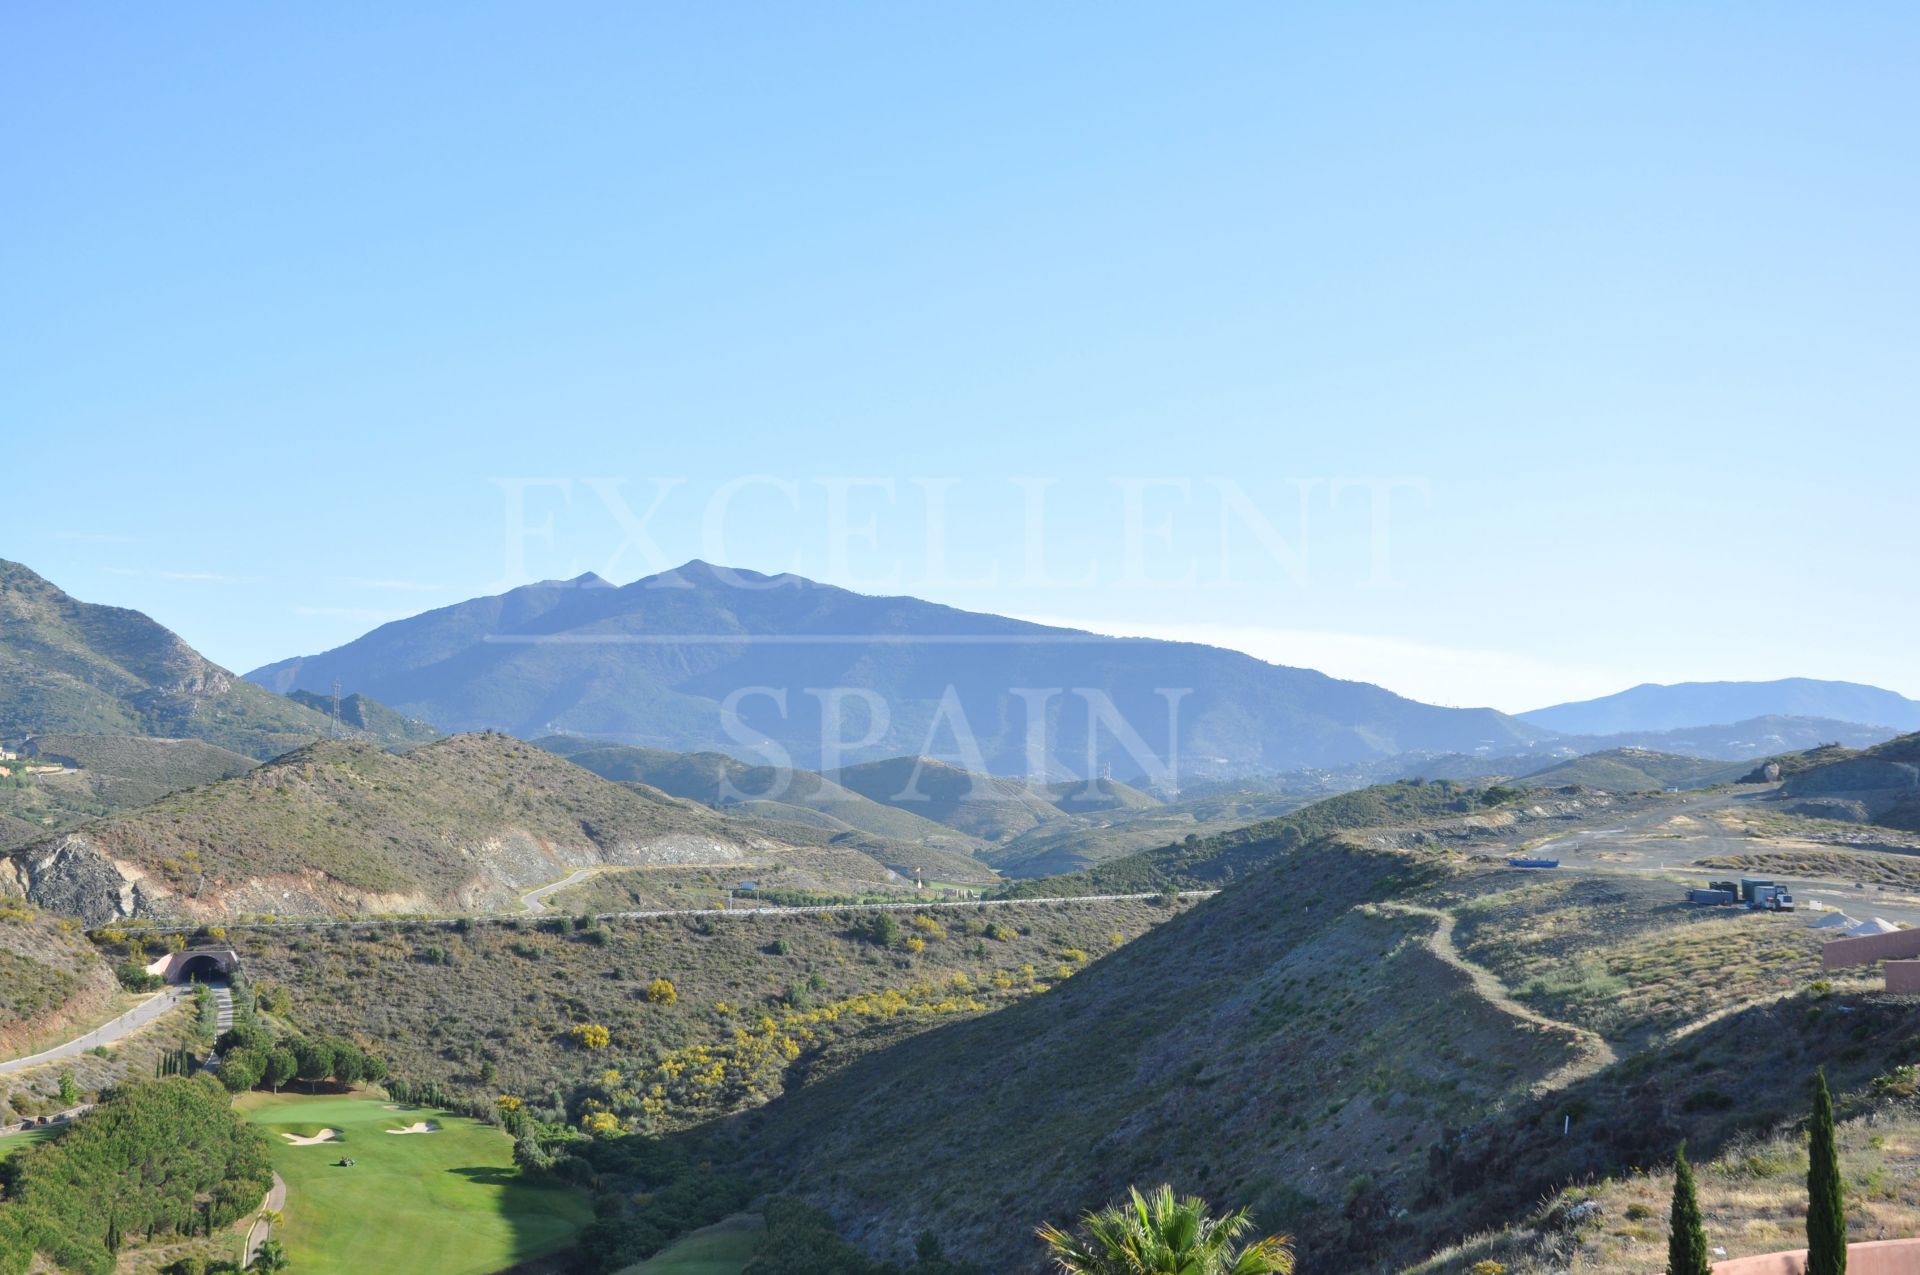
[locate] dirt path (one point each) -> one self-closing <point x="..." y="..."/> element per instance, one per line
<point x="275" y="1202"/>
<point x="1593" y="1052"/>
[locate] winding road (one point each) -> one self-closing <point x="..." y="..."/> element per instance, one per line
<point x="125" y="1025"/>
<point x="536" y="900"/>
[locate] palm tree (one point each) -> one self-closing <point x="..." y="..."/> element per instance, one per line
<point x="271" y="1257"/>
<point x="1157" y="1234"/>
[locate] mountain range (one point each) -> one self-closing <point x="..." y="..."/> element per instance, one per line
<point x="1652" y="707"/>
<point x="702" y="656"/>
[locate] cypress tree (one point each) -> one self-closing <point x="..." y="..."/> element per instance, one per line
<point x="1826" y="1203"/>
<point x="1686" y="1238"/>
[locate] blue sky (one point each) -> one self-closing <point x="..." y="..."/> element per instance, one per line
<point x="1497" y="354"/>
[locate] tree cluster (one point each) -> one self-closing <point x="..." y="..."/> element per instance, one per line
<point x="162" y="1158"/>
<point x="250" y="1058"/>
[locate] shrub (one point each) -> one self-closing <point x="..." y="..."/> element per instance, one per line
<point x="136" y="979"/>
<point x="662" y="992"/>
<point x="591" y="1036"/>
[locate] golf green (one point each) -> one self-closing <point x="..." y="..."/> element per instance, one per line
<point x="13" y="1142"/>
<point x="449" y="1201"/>
<point x="720" y="1249"/>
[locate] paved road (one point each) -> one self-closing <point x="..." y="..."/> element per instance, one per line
<point x="1666" y="840"/>
<point x="501" y="918"/>
<point x="536" y="900"/>
<point x="128" y="1023"/>
<point x="257" y="1233"/>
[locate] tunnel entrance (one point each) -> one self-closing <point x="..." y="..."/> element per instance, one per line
<point x="201" y="968"/>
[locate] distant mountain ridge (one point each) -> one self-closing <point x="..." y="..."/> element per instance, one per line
<point x="1654" y="707"/>
<point x="652" y="663"/>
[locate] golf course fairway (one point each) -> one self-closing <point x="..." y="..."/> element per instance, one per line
<point x="449" y="1201"/>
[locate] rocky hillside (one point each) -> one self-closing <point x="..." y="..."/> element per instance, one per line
<point x="466" y="823"/>
<point x="74" y="667"/>
<point x="1874" y="785"/>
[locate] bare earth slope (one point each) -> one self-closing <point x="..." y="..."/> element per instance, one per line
<point x="462" y="824"/>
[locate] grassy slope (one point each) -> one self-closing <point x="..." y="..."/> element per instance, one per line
<point x="14" y="1142"/>
<point x="71" y="666"/>
<point x="1638" y="770"/>
<point x="460" y="820"/>
<point x="720" y="1249"/>
<point x="449" y="1201"/>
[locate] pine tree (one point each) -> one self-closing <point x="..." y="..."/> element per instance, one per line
<point x="1686" y="1239"/>
<point x="1826" y="1202"/>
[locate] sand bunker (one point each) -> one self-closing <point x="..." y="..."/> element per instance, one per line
<point x="419" y="1126"/>
<point x="325" y="1135"/>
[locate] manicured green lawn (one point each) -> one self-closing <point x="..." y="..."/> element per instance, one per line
<point x="450" y="1202"/>
<point x="720" y="1249"/>
<point x="20" y="1141"/>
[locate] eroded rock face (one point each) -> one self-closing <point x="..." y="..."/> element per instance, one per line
<point x="68" y="875"/>
<point x="1865" y="774"/>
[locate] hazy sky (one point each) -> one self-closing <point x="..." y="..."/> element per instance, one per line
<point x="1497" y="354"/>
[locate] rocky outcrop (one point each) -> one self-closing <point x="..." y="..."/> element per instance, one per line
<point x="1861" y="774"/>
<point x="70" y="876"/>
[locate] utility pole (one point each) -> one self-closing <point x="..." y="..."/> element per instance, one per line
<point x="336" y="708"/>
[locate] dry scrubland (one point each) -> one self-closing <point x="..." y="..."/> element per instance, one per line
<point x="492" y="1007"/>
<point x="50" y="979"/>
<point x="1752" y="1197"/>
<point x="1628" y="958"/>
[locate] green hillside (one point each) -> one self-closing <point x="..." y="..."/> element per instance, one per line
<point x="72" y="667"/>
<point x="1637" y="770"/>
<point x="983" y="806"/>
<point x="1205" y="862"/>
<point x="718" y="780"/>
<point x="106" y="773"/>
<point x="367" y="716"/>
